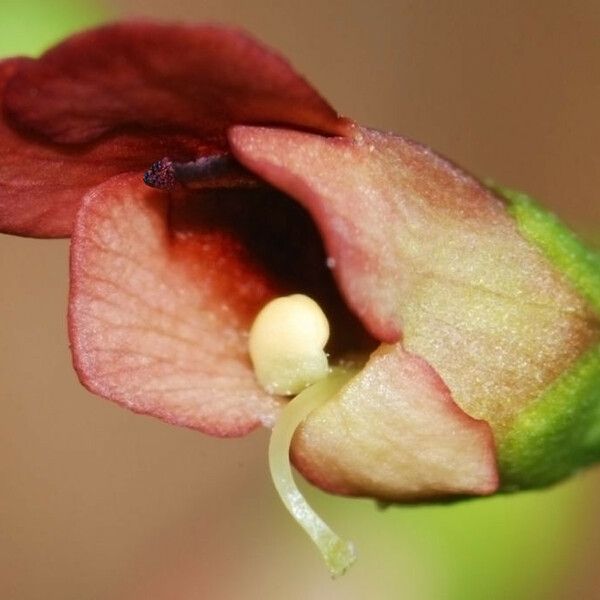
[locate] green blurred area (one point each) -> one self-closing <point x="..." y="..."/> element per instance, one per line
<point x="31" y="26"/>
<point x="516" y="546"/>
<point x="507" y="547"/>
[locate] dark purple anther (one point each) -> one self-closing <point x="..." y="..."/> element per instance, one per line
<point x="161" y="175"/>
<point x="214" y="171"/>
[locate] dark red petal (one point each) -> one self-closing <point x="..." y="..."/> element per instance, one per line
<point x="41" y="184"/>
<point x="196" y="79"/>
<point x="159" y="311"/>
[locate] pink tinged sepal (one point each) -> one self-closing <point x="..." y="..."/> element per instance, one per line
<point x="395" y="433"/>
<point x="159" y="311"/>
<point x="425" y="254"/>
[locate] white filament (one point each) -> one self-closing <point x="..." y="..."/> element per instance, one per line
<point x="338" y="554"/>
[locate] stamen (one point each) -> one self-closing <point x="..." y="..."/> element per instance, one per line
<point x="161" y="175"/>
<point x="213" y="171"/>
<point x="338" y="554"/>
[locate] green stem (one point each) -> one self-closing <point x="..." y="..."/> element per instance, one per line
<point x="338" y="554"/>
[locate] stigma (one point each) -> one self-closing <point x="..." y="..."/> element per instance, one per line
<point x="287" y="345"/>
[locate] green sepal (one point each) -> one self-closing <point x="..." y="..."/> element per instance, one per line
<point x="576" y="261"/>
<point x="560" y="432"/>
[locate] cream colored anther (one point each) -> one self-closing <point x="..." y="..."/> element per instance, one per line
<point x="286" y="344"/>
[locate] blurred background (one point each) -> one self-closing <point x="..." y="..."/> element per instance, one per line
<point x="97" y="503"/>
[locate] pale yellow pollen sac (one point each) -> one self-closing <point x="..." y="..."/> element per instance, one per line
<point x="286" y="344"/>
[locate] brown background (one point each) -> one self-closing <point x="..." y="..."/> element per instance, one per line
<point x="92" y="496"/>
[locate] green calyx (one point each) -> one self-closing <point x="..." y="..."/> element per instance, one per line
<point x="560" y="432"/>
<point x="578" y="263"/>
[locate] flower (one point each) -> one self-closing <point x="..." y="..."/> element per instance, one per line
<point x="201" y="180"/>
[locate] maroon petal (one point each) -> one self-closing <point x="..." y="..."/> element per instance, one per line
<point x="41" y="183"/>
<point x="196" y="79"/>
<point x="160" y="308"/>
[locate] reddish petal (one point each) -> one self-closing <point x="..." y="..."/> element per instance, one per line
<point x="196" y="79"/>
<point x="41" y="184"/>
<point x="160" y="307"/>
<point x="394" y="433"/>
<point x="422" y="251"/>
